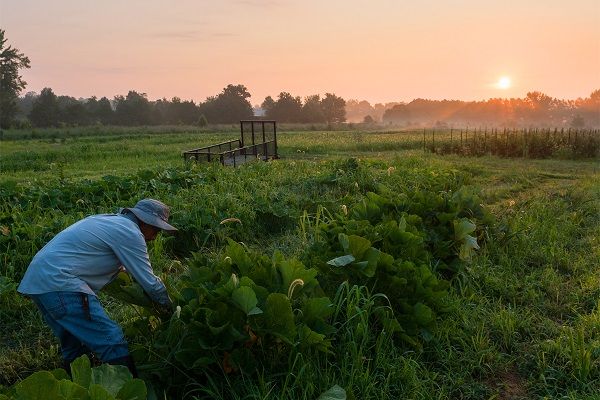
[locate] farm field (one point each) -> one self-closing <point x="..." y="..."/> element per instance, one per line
<point x="416" y="312"/>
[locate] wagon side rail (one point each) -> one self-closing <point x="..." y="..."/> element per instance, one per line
<point x="211" y="152"/>
<point x="263" y="151"/>
<point x="217" y="148"/>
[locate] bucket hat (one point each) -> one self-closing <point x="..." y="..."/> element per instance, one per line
<point x="153" y="212"/>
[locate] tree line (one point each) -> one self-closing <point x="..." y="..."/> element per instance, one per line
<point x="535" y="109"/>
<point x="230" y="106"/>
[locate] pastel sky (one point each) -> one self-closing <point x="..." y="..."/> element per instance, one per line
<point x="377" y="50"/>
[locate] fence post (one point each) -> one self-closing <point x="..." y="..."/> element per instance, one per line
<point x="485" y="140"/>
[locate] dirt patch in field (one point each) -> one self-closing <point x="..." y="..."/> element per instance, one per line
<point x="509" y="384"/>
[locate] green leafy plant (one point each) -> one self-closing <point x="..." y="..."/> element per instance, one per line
<point x="106" y="382"/>
<point x="237" y="312"/>
<point x="396" y="243"/>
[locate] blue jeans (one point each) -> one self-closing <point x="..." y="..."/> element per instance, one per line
<point x="81" y="325"/>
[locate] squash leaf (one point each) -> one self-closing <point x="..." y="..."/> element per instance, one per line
<point x="245" y="299"/>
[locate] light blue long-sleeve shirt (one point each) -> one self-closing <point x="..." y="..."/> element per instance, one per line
<point x="88" y="254"/>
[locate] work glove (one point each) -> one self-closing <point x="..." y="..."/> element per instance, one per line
<point x="165" y="311"/>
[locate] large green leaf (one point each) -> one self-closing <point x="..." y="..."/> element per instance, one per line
<point x="41" y="385"/>
<point x="97" y="392"/>
<point x="245" y="298"/>
<point x="72" y="391"/>
<point x="316" y="308"/>
<point x="232" y="283"/>
<point x="60" y="373"/>
<point x="342" y="261"/>
<point x="462" y="228"/>
<point x="468" y="248"/>
<point x="111" y="377"/>
<point x="278" y="317"/>
<point x="371" y="257"/>
<point x="239" y="256"/>
<point x="135" y="389"/>
<point x="354" y="244"/>
<point x="81" y="371"/>
<point x="358" y="246"/>
<point x="292" y="270"/>
<point x="335" y="393"/>
<point x="309" y="338"/>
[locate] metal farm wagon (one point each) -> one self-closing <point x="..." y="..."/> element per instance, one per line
<point x="258" y="140"/>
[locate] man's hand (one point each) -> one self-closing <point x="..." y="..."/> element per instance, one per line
<point x="165" y="311"/>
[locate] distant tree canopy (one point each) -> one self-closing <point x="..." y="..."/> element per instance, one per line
<point x="45" y="111"/>
<point x="356" y="110"/>
<point x="231" y="105"/>
<point x="177" y="112"/>
<point x="11" y="83"/>
<point x="134" y="109"/>
<point x="287" y="108"/>
<point x="312" y="111"/>
<point x="334" y="108"/>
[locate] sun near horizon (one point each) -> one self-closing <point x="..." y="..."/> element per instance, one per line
<point x="503" y="83"/>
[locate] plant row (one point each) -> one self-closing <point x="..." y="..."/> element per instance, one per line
<point x="243" y="311"/>
<point x="529" y="143"/>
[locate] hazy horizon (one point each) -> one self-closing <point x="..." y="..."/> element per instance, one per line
<point x="381" y="51"/>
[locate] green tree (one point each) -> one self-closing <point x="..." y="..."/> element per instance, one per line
<point x="72" y="111"/>
<point x="11" y="83"/>
<point x="45" y="111"/>
<point x="268" y="105"/>
<point x="231" y="105"/>
<point x="181" y="112"/>
<point x="287" y="108"/>
<point x="135" y="109"/>
<point x="24" y="104"/>
<point x="312" y="110"/>
<point x="334" y="108"/>
<point x="98" y="111"/>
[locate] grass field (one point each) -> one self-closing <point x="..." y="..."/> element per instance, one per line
<point x="522" y="317"/>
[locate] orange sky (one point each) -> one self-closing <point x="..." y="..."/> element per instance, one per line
<point x="378" y="50"/>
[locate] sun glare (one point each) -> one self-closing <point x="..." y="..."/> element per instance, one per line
<point x="503" y="83"/>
